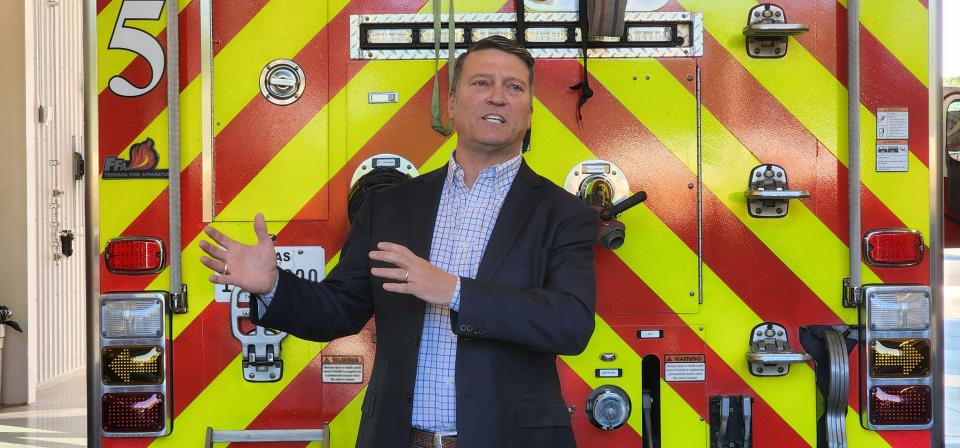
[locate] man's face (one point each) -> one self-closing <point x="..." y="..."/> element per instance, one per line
<point x="492" y="107"/>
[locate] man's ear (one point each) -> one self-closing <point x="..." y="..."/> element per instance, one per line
<point x="450" y="103"/>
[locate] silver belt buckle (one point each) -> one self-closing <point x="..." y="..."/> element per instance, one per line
<point x="438" y="437"/>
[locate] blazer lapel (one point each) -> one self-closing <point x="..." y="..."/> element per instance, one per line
<point x="517" y="207"/>
<point x="422" y="205"/>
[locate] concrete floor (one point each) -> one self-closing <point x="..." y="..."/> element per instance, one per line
<point x="58" y="419"/>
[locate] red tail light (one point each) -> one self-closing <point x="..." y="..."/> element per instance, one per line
<point x="136" y="412"/>
<point x="900" y="405"/>
<point x="893" y="247"/>
<point x="137" y="255"/>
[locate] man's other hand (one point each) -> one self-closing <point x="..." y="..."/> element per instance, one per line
<point x="415" y="275"/>
<point x="251" y="268"/>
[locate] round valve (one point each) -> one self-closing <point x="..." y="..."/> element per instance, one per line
<point x="282" y="82"/>
<point x="608" y="407"/>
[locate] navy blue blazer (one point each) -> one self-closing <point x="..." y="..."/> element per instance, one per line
<point x="533" y="299"/>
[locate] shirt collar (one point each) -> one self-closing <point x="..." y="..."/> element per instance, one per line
<point x="501" y="174"/>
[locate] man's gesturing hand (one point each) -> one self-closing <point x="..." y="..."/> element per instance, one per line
<point x="251" y="268"/>
<point x="415" y="275"/>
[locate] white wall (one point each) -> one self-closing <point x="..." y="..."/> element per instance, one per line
<point x="18" y="277"/>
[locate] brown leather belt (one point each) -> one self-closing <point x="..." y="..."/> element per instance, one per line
<point x="426" y="439"/>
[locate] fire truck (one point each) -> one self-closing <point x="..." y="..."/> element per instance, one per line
<point x="759" y="282"/>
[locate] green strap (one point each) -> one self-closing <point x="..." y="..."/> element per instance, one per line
<point x="451" y="56"/>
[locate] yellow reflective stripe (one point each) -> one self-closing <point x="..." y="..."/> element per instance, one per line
<point x="723" y="313"/>
<point x="800" y="240"/>
<point x="441" y="157"/>
<point x="137" y="195"/>
<point x="555" y="165"/>
<point x="820" y="92"/>
<point x="345" y="426"/>
<point x="297" y="180"/>
<point x="230" y="403"/>
<point x="901" y="26"/>
<point x="605" y="339"/>
<point x="111" y="63"/>
<point x="280" y="30"/>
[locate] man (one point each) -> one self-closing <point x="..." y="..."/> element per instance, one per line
<point x="467" y="341"/>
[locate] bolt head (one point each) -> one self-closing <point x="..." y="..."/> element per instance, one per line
<point x="779" y="211"/>
<point x="779" y="369"/>
<point x="756" y="51"/>
<point x="759" y="369"/>
<point x="776" y="51"/>
<point x="690" y="185"/>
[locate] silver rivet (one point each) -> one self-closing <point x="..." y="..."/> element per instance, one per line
<point x="690" y="185"/>
<point x="634" y="77"/>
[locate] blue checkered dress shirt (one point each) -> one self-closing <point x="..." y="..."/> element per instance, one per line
<point x="464" y="223"/>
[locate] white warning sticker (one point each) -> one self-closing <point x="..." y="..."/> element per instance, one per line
<point x="342" y="369"/>
<point x="685" y="368"/>
<point x="892" y="156"/>
<point x="893" y="123"/>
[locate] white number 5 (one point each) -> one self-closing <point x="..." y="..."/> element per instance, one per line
<point x="139" y="42"/>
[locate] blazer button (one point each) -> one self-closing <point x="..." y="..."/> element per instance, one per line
<point x="481" y="331"/>
<point x="469" y="328"/>
<point x="463" y="327"/>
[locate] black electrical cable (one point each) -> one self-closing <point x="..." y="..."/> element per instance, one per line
<point x="583" y="86"/>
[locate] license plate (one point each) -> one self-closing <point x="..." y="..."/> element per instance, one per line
<point x="304" y="261"/>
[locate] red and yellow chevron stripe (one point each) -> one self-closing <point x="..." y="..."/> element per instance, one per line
<point x="294" y="164"/>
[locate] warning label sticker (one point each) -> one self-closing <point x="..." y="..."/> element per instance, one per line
<point x="893" y="123"/>
<point x="892" y="156"/>
<point x="685" y="368"/>
<point x="342" y="369"/>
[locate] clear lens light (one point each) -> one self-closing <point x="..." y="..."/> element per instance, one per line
<point x="899" y="311"/>
<point x="546" y="35"/>
<point x="480" y="33"/>
<point x="649" y="34"/>
<point x="136" y="318"/>
<point x="390" y="36"/>
<point x="426" y="35"/>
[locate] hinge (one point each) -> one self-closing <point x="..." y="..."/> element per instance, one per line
<point x="851" y="294"/>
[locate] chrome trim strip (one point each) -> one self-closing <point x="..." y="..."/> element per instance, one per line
<point x="206" y="107"/>
<point x="91" y="154"/>
<point x="935" y="163"/>
<point x="695" y="49"/>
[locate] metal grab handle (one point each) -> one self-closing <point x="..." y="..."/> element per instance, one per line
<point x="648" y="419"/>
<point x="775" y="29"/>
<point x="269" y="435"/>
<point x="777" y="358"/>
<point x="776" y="195"/>
<point x="629" y="202"/>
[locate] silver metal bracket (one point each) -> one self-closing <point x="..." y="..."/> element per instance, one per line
<point x="851" y="294"/>
<point x="768" y="195"/>
<point x="269" y="435"/>
<point x="770" y="353"/>
<point x="261" y="348"/>
<point x="178" y="301"/>
<point x="767" y="31"/>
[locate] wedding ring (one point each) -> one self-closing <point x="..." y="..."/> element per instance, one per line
<point x="406" y="274"/>
<point x="225" y="271"/>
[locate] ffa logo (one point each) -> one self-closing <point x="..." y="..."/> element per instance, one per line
<point x="143" y="161"/>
